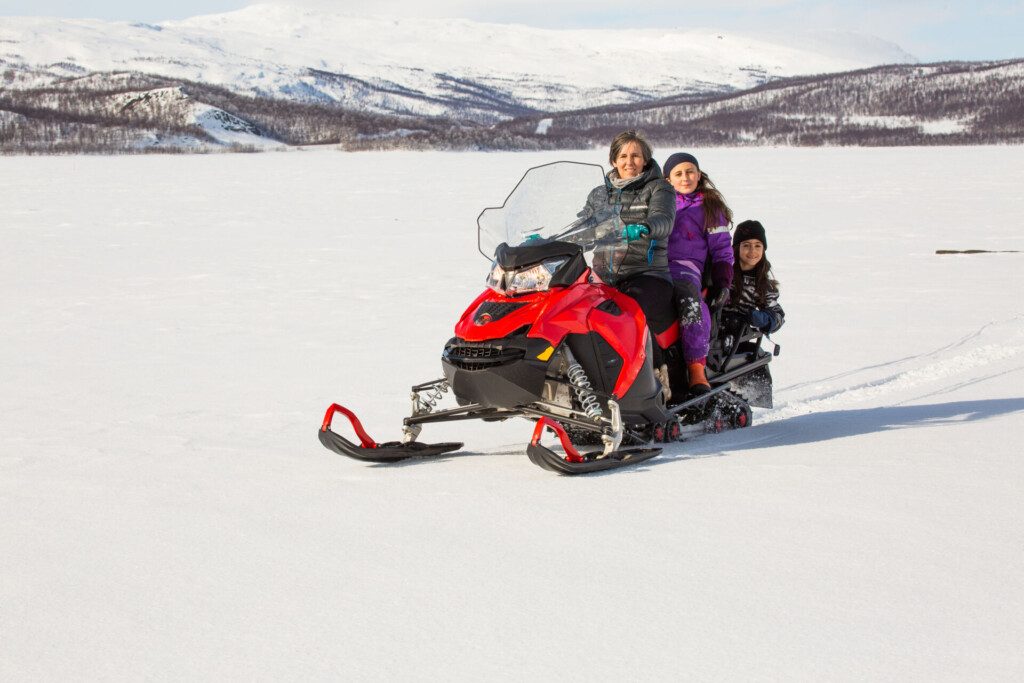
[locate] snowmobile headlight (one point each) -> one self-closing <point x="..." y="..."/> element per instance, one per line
<point x="496" y="278"/>
<point x="536" y="278"/>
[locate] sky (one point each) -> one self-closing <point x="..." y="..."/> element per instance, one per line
<point x="931" y="30"/>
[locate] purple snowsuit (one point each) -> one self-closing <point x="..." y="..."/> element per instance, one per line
<point x="688" y="248"/>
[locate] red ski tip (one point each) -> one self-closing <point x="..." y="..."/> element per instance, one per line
<point x="571" y="454"/>
<point x="364" y="438"/>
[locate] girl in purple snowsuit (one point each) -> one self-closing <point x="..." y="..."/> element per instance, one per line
<point x="701" y="231"/>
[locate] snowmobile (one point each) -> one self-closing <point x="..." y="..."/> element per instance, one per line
<point x="550" y="340"/>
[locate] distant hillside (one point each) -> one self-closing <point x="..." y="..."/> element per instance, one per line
<point x="947" y="103"/>
<point x="132" y="113"/>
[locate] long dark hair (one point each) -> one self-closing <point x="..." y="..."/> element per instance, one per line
<point x="764" y="279"/>
<point x="715" y="208"/>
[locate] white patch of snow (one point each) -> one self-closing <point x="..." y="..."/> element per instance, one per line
<point x="161" y="141"/>
<point x="942" y="126"/>
<point x="223" y="127"/>
<point x="10" y="117"/>
<point x="935" y="127"/>
<point x="228" y="129"/>
<point x="397" y="133"/>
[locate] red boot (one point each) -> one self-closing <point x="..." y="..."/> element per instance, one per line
<point x="698" y="381"/>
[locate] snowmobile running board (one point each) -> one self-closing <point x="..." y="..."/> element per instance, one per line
<point x="719" y="388"/>
<point x="369" y="450"/>
<point x="697" y="400"/>
<point x="575" y="462"/>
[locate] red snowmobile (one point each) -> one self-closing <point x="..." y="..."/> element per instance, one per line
<point x="550" y="341"/>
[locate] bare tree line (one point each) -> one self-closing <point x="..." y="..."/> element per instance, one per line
<point x="949" y="103"/>
<point x="977" y="103"/>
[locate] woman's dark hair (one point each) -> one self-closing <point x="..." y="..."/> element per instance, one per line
<point x="715" y="208"/>
<point x="626" y="137"/>
<point x="764" y="280"/>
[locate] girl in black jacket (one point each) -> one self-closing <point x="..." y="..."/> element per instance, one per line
<point x="755" y="292"/>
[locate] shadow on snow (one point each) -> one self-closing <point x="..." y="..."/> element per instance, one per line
<point x="839" y="424"/>
<point x="793" y="431"/>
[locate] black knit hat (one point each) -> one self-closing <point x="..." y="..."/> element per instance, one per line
<point x="678" y="158"/>
<point x="749" y="230"/>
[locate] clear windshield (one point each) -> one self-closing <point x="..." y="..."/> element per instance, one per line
<point x="550" y="203"/>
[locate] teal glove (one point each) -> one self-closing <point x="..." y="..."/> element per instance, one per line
<point x="634" y="232"/>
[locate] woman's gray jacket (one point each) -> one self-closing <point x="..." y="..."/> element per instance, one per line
<point x="648" y="200"/>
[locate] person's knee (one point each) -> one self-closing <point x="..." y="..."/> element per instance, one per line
<point x="688" y="303"/>
<point x="689" y="311"/>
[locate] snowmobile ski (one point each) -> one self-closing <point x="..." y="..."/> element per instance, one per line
<point x="575" y="462"/>
<point x="369" y="450"/>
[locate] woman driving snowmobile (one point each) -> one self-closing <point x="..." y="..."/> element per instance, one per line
<point x="645" y="203"/>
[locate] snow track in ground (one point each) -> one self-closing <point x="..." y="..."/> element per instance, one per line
<point x="993" y="351"/>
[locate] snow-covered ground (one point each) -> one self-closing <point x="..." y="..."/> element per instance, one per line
<point x="173" y="329"/>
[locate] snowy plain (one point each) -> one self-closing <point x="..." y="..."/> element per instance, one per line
<point x="173" y="328"/>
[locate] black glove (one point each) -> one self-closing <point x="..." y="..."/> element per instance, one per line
<point x="721" y="281"/>
<point x="761" y="320"/>
<point x="717" y="296"/>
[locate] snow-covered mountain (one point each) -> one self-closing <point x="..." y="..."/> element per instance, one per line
<point x="426" y="67"/>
